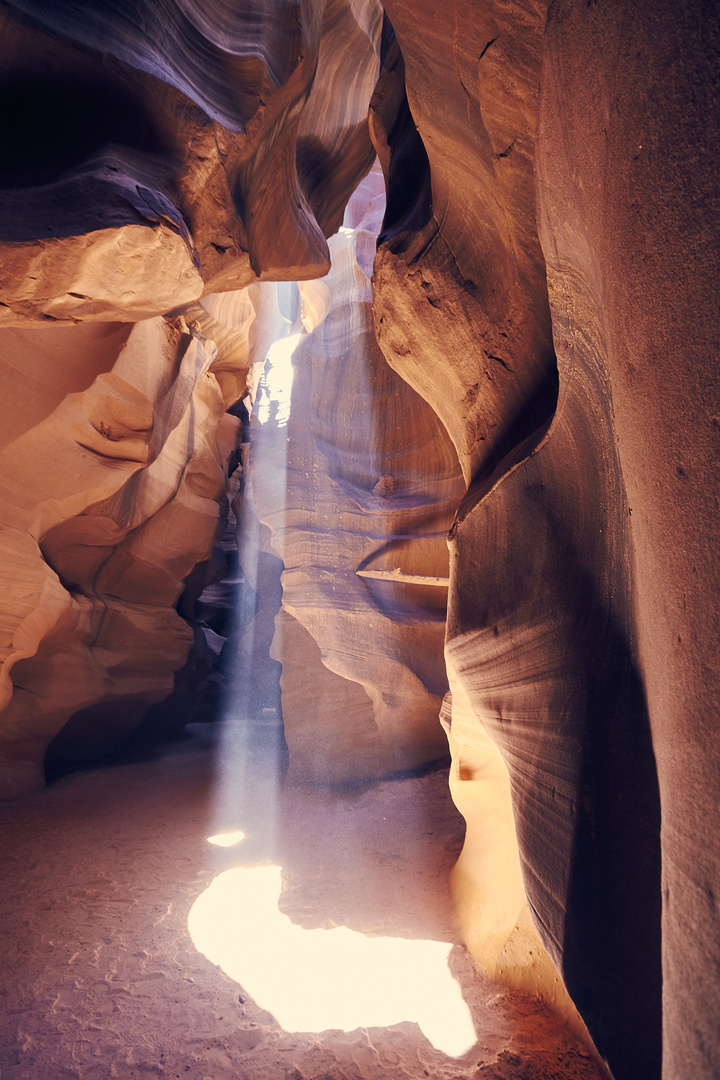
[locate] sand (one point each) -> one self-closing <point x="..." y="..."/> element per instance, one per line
<point x="100" y="977"/>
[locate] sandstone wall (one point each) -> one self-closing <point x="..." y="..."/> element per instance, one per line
<point x="352" y="470"/>
<point x="583" y="552"/>
<point x="544" y="293"/>
<point x="152" y="155"/>
<point x="628" y="221"/>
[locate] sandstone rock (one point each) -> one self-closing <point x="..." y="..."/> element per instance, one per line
<point x="184" y="150"/>
<point x="470" y="286"/>
<point x="108" y="502"/>
<point x="351" y="470"/>
<point x="179" y="158"/>
<point x="561" y="640"/>
<point x="629" y="227"/>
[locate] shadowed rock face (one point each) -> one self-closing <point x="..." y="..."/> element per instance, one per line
<point x="562" y="643"/>
<point x="628" y="223"/>
<point x="544" y="294"/>
<point x="198" y="147"/>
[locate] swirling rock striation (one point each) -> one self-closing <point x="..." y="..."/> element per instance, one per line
<point x="574" y="696"/>
<point x="466" y="282"/>
<point x="109" y="499"/>
<point x="352" y="470"/>
<point x="191" y="145"/>
<point x="629" y="225"/>
<point x="545" y="283"/>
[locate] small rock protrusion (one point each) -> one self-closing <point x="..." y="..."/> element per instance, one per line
<point x="384" y="487"/>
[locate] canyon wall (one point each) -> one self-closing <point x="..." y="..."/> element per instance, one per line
<point x="352" y="470"/>
<point x="628" y="221"/>
<point x="582" y="556"/>
<point x="544" y="296"/>
<point x="151" y="157"/>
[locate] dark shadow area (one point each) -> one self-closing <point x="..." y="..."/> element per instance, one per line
<point x="514" y="441"/>
<point x="179" y="50"/>
<point x="612" y="961"/>
<point x="48" y="128"/>
<point x="319" y="169"/>
<point x="611" y="949"/>
<point x="403" y="156"/>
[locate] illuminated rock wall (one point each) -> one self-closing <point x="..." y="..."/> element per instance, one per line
<point x="351" y="470"/>
<point x="109" y="499"/>
<point x="151" y="155"/>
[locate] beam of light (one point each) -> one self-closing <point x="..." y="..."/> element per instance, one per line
<point x="317" y="980"/>
<point x="275" y="388"/>
<point x="250" y="746"/>
<point x="310" y="980"/>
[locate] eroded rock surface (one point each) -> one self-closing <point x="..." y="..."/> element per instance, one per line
<point x="464" y="278"/>
<point x="562" y="642"/>
<point x="154" y="153"/>
<point x="108" y="502"/>
<point x="545" y="283"/>
<point x="628" y="220"/>
<point x="352" y="470"/>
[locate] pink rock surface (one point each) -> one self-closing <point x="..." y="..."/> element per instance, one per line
<point x="350" y="470"/>
<point x="97" y="542"/>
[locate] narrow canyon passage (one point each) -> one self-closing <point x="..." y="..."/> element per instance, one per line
<point x="359" y="620"/>
<point x="100" y="977"/>
<point x="270" y="897"/>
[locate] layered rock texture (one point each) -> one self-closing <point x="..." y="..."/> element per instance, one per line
<point x="535" y="371"/>
<point x="352" y="470"/>
<point x="154" y="152"/>
<point x="562" y="644"/>
<point x="150" y="157"/>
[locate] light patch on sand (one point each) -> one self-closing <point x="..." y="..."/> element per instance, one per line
<point x="227" y="839"/>
<point x="317" y="980"/>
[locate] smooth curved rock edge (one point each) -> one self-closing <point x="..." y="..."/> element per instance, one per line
<point x="213" y="146"/>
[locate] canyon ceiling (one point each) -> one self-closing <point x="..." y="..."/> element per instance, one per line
<point x="530" y="381"/>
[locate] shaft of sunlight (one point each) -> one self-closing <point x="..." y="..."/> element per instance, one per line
<point x="275" y="389"/>
<point x="320" y="979"/>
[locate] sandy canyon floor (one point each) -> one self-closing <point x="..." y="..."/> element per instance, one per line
<point x="100" y="977"/>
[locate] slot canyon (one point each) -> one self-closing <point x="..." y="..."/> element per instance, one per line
<point x="359" y="589"/>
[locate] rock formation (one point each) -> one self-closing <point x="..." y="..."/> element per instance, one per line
<point x="153" y="153"/>
<point x="93" y="493"/>
<point x="354" y="471"/>
<point x="140" y="147"/>
<point x="544" y="295"/>
<point x="560" y="644"/>
<point x="628" y="223"/>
